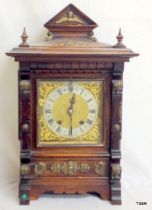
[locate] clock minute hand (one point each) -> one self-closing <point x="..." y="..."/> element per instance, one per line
<point x="70" y="111"/>
<point x="72" y="102"/>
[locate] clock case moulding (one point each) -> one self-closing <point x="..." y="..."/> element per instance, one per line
<point x="70" y="51"/>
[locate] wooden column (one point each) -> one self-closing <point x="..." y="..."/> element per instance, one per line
<point x="116" y="112"/>
<point x="24" y="132"/>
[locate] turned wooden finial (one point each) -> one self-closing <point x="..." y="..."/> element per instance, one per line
<point x="24" y="37"/>
<point x="119" y="39"/>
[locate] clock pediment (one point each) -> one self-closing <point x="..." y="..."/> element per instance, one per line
<point x="70" y="18"/>
<point x="70" y="34"/>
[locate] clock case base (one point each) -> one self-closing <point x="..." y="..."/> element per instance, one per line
<point x="71" y="186"/>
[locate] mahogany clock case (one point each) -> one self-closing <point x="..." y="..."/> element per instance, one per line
<point x="70" y="53"/>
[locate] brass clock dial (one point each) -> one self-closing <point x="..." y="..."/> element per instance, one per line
<point x="69" y="112"/>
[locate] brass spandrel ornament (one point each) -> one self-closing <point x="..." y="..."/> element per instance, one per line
<point x="61" y="121"/>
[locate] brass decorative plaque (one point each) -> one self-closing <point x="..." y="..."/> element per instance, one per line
<point x="39" y="168"/>
<point x="70" y="18"/>
<point x="101" y="168"/>
<point x="69" y="167"/>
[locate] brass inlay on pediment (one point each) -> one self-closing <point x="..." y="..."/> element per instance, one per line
<point x="70" y="18"/>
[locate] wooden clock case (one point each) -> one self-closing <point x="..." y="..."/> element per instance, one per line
<point x="70" y="52"/>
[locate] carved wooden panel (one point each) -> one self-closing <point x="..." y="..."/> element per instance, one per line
<point x="70" y="65"/>
<point x="66" y="167"/>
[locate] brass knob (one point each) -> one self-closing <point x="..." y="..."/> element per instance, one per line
<point x="116" y="127"/>
<point x="116" y="170"/>
<point x="24" y="85"/>
<point x="25" y="169"/>
<point x="25" y="128"/>
<point x="117" y="86"/>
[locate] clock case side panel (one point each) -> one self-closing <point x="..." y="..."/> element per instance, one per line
<point x="116" y="124"/>
<point x="24" y="125"/>
<point x="64" y="149"/>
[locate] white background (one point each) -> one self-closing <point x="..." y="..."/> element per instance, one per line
<point x="135" y="19"/>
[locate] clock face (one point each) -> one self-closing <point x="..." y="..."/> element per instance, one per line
<point x="69" y="112"/>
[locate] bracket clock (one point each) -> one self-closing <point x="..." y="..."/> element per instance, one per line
<point x="70" y="97"/>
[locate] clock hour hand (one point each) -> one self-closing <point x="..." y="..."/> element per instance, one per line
<point x="72" y="101"/>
